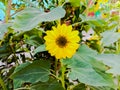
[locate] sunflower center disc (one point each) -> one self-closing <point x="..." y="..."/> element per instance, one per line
<point x="61" y="41"/>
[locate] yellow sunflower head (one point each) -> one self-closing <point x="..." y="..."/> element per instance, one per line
<point x="62" y="42"/>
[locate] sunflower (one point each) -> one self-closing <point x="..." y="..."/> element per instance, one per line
<point x="62" y="42"/>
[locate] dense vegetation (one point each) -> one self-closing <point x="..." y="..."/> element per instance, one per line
<point x="26" y="64"/>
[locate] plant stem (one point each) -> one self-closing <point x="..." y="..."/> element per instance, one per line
<point x="3" y="84"/>
<point x="63" y="69"/>
<point x="87" y="88"/>
<point x="8" y="8"/>
<point x="56" y="67"/>
<point x="55" y="76"/>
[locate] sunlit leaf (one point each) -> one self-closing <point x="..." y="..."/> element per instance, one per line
<point x="41" y="48"/>
<point x="3" y="29"/>
<point x="75" y="3"/>
<point x="109" y="37"/>
<point x="83" y="70"/>
<point x="111" y="60"/>
<point x="31" y="17"/>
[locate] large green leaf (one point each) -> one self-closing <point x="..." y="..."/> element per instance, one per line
<point x="101" y="88"/>
<point x="3" y="29"/>
<point x="83" y="69"/>
<point x="33" y="72"/>
<point x="111" y="60"/>
<point x="22" y="66"/>
<point x="17" y="83"/>
<point x="109" y="37"/>
<point x="52" y="84"/>
<point x="31" y="17"/>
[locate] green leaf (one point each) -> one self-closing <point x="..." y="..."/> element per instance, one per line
<point x="109" y="37"/>
<point x="41" y="48"/>
<point x="75" y="3"/>
<point x="33" y="37"/>
<point x="101" y="88"/>
<point x="3" y="29"/>
<point x="34" y="40"/>
<point x="52" y="84"/>
<point x="5" y="50"/>
<point x="85" y="71"/>
<point x="80" y="86"/>
<point x="96" y="22"/>
<point x="17" y="83"/>
<point x="33" y="72"/>
<point x="111" y="60"/>
<point x="31" y="17"/>
<point x="112" y="26"/>
<point x="93" y="22"/>
<point x="22" y="66"/>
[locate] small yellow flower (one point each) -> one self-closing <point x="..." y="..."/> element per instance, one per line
<point x="62" y="42"/>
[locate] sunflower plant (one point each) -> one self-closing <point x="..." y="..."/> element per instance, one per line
<point x="59" y="45"/>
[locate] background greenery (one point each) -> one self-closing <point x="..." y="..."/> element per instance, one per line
<point x="26" y="65"/>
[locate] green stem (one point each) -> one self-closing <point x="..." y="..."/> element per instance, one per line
<point x="3" y="84"/>
<point x="55" y="76"/>
<point x="63" y="69"/>
<point x="87" y="88"/>
<point x="56" y="67"/>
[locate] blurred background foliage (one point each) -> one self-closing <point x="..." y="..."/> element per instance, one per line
<point x="22" y="50"/>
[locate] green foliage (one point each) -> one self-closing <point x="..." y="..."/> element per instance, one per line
<point x="51" y="84"/>
<point x="81" y="66"/>
<point x="112" y="61"/>
<point x="5" y="50"/>
<point x="27" y="20"/>
<point x="31" y="72"/>
<point x="41" y="48"/>
<point x="109" y="37"/>
<point x="25" y="64"/>
<point x="75" y="3"/>
<point x="80" y="87"/>
<point x="3" y="29"/>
